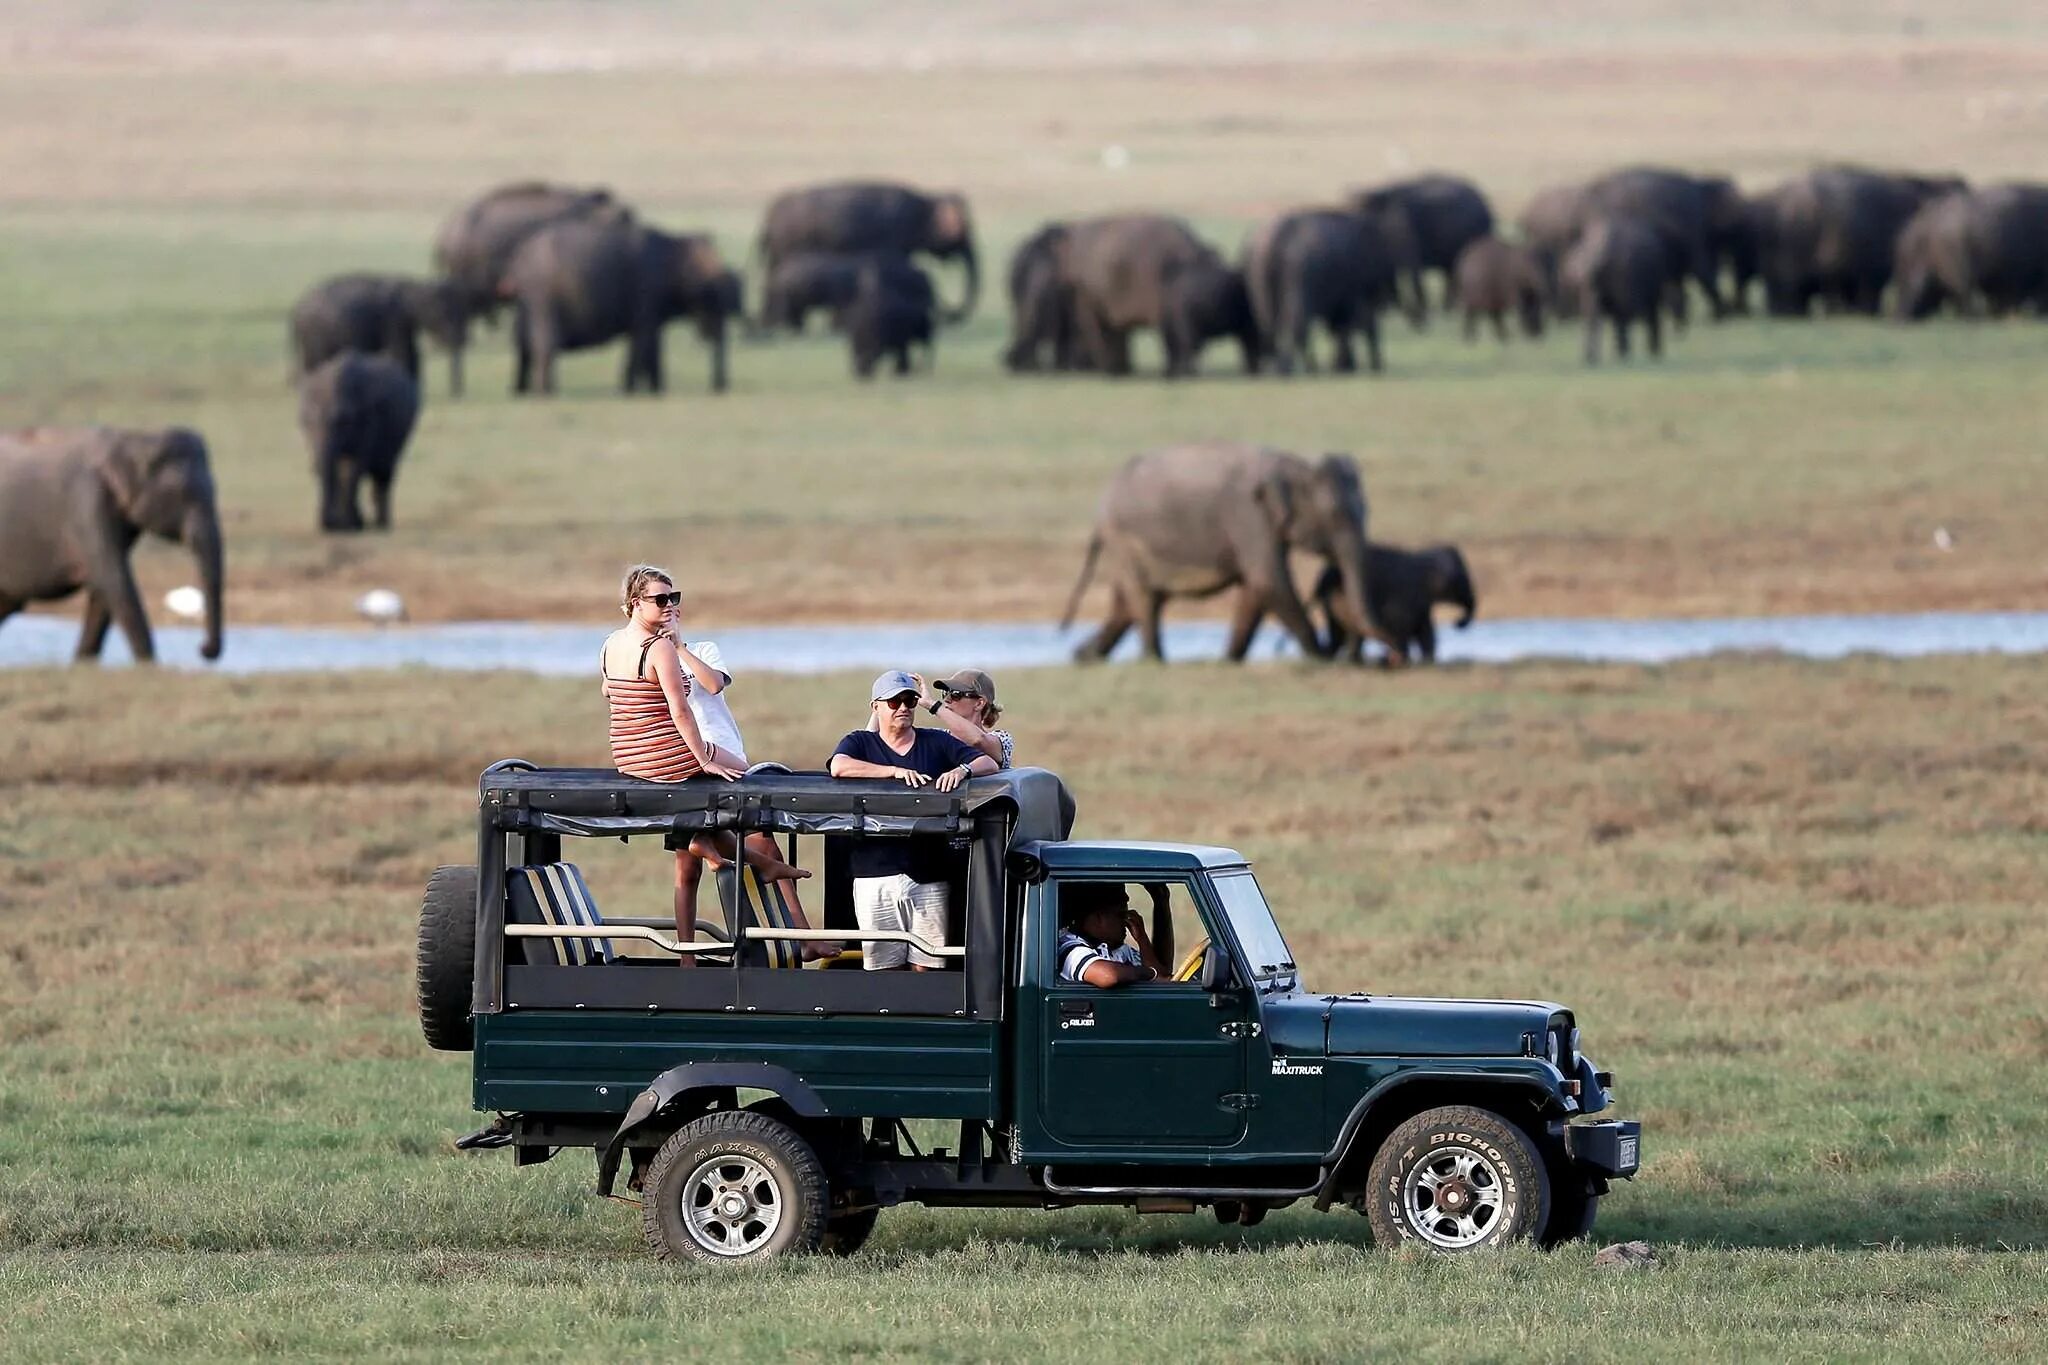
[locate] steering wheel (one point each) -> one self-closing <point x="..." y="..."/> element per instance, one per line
<point x="1191" y="962"/>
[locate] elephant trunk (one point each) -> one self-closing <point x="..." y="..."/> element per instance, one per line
<point x="1349" y="561"/>
<point x="973" y="265"/>
<point x="202" y="534"/>
<point x="714" y="330"/>
<point x="1458" y="591"/>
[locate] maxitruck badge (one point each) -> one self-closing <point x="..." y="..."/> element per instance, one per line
<point x="1283" y="1067"/>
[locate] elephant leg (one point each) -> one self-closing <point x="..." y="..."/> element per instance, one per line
<point x="903" y="360"/>
<point x="1111" y="632"/>
<point x="1347" y="358"/>
<point x="1593" y="322"/>
<point x="112" y="586"/>
<point x="353" y="492"/>
<point x="1621" y="335"/>
<point x="92" y="634"/>
<point x="1425" y="639"/>
<point x="1374" y="361"/>
<point x="522" y="346"/>
<point x="1471" y="326"/>
<point x="1150" y="603"/>
<point x="1244" y="623"/>
<point x="1500" y="326"/>
<point x="380" y="497"/>
<point x="1654" y="327"/>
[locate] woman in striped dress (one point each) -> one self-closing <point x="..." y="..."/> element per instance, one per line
<point x="653" y="734"/>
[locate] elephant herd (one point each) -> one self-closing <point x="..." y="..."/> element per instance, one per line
<point x="1621" y="251"/>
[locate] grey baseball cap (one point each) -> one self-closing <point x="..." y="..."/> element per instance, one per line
<point x="894" y="683"/>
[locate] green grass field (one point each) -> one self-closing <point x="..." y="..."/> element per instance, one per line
<point x="1796" y="905"/>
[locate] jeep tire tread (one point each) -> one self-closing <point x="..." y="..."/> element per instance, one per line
<point x="1457" y="1179"/>
<point x="734" y="1186"/>
<point x="446" y="958"/>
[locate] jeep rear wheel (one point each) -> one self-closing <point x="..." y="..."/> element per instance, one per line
<point x="446" y="958"/>
<point x="734" y="1186"/>
<point x="1457" y="1179"/>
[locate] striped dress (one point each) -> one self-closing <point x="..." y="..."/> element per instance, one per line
<point x="645" y="741"/>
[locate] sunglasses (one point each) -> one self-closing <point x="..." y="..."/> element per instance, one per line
<point x="663" y="599"/>
<point x="957" y="695"/>
<point x="906" y="702"/>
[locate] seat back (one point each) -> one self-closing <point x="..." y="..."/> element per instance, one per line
<point x="750" y="902"/>
<point x="554" y="894"/>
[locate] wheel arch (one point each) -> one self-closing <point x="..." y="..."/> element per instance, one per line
<point x="683" y="1092"/>
<point x="1522" y="1099"/>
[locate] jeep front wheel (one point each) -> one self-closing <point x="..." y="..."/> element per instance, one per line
<point x="1456" y="1179"/>
<point x="734" y="1186"/>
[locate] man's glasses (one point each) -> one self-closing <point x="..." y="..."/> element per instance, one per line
<point x="906" y="702"/>
<point x="663" y="599"/>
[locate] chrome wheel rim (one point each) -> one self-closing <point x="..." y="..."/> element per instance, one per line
<point x="731" y="1205"/>
<point x="1453" y="1198"/>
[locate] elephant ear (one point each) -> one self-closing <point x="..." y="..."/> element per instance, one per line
<point x="1276" y="496"/>
<point x="949" y="217"/>
<point x="124" y="468"/>
<point x="1342" y="472"/>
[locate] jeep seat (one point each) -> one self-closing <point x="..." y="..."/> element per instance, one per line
<point x="750" y="903"/>
<point x="555" y="894"/>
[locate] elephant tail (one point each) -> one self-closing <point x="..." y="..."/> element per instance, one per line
<point x="1081" y="584"/>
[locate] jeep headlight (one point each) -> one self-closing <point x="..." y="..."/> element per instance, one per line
<point x="1553" y="1048"/>
<point x="1573" y="1048"/>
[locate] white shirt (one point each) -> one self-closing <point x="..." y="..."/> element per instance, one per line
<point x="714" y="717"/>
<point x="1077" y="954"/>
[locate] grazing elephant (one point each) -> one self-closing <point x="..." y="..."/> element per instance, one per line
<point x="1207" y="300"/>
<point x="380" y="314"/>
<point x="1192" y="520"/>
<point x="1438" y="216"/>
<point x="477" y="243"/>
<point x="1617" y="273"/>
<point x="825" y="281"/>
<point x="1831" y="235"/>
<point x="1042" y="304"/>
<point x="890" y="314"/>
<point x="585" y="282"/>
<point x="357" y="412"/>
<point x="73" y="502"/>
<point x="1405" y="586"/>
<point x="855" y="217"/>
<point x="1119" y="269"/>
<point x="1701" y="222"/>
<point x="1986" y="247"/>
<point x="1549" y="223"/>
<point x="1494" y="279"/>
<point x="1328" y="266"/>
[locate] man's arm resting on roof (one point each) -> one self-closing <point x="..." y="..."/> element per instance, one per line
<point x="1103" y="972"/>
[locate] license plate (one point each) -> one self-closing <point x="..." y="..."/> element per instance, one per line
<point x="1625" y="1153"/>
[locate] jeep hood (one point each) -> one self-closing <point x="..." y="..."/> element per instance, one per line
<point x="1398" y="1026"/>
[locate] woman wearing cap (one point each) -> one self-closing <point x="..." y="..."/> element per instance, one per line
<point x="965" y="703"/>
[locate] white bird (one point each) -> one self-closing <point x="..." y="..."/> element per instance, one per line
<point x="1116" y="157"/>
<point x="381" y="605"/>
<point x="187" y="602"/>
<point x="1942" y="539"/>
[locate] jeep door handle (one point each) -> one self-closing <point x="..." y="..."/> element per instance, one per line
<point x="1076" y="1009"/>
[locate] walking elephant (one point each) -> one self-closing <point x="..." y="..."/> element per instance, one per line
<point x="73" y="502"/>
<point x="863" y="217"/>
<point x="357" y="412"/>
<point x="1493" y="280"/>
<point x="1328" y="266"/>
<point x="1119" y="270"/>
<point x="1701" y="222"/>
<point x="380" y="314"/>
<point x="1193" y="520"/>
<point x="1435" y="216"/>
<point x="477" y="242"/>
<point x="1405" y="587"/>
<point x="586" y="282"/>
<point x="1617" y="273"/>
<point x="1206" y="301"/>
<point x="890" y="314"/>
<point x="1976" y="248"/>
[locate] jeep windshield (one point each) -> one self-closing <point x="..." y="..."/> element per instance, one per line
<point x="1266" y="954"/>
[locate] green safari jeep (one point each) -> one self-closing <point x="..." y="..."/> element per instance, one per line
<point x="759" y="1105"/>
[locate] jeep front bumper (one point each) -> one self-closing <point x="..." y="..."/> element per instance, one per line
<point x="1613" y="1147"/>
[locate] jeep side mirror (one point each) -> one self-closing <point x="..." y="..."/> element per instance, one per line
<point x="1215" y="968"/>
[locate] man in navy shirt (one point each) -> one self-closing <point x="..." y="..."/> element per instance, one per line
<point x="900" y="883"/>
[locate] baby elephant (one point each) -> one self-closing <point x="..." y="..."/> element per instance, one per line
<point x="379" y="313"/>
<point x="887" y="318"/>
<point x="1617" y="272"/>
<point x="1205" y="301"/>
<point x="1493" y="279"/>
<point x="357" y="412"/>
<point x="1401" y="588"/>
<point x="829" y="282"/>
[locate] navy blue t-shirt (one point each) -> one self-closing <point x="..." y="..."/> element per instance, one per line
<point x="925" y="857"/>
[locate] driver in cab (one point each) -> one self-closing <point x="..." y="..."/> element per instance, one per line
<point x="1097" y="917"/>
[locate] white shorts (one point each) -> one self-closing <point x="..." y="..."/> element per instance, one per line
<point x="884" y="903"/>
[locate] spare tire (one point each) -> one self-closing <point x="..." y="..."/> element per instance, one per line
<point x="447" y="958"/>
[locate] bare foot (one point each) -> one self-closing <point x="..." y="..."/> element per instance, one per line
<point x="782" y="872"/>
<point x="820" y="952"/>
